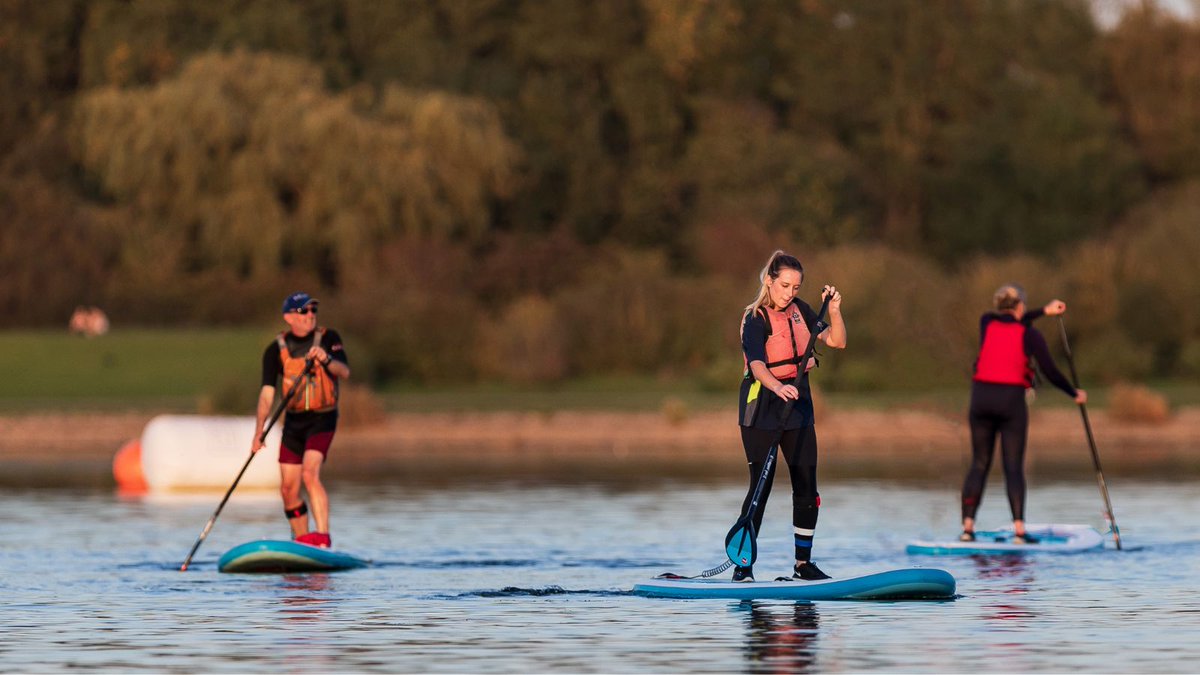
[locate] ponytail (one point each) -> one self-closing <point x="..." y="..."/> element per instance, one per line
<point x="778" y="262"/>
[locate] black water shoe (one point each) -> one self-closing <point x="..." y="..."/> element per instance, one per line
<point x="1024" y="539"/>
<point x="743" y="573"/>
<point x="967" y="535"/>
<point x="808" y="572"/>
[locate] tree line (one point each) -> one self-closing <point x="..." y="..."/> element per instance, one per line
<point x="533" y="191"/>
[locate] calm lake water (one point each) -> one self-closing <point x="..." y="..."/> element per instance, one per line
<point x="509" y="577"/>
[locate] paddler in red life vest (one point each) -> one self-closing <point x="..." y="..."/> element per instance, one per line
<point x="775" y="332"/>
<point x="311" y="417"/>
<point x="1007" y="340"/>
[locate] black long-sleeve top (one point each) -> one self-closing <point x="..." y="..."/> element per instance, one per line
<point x="1035" y="346"/>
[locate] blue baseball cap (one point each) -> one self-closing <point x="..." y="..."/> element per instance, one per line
<point x="297" y="301"/>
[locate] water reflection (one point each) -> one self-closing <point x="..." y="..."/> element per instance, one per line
<point x="1013" y="576"/>
<point x="780" y="639"/>
<point x="304" y="595"/>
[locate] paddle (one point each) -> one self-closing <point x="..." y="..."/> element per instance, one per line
<point x="308" y="364"/>
<point x="1087" y="426"/>
<point x="740" y="544"/>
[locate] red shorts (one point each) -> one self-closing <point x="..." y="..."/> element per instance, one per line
<point x="319" y="442"/>
<point x="304" y="432"/>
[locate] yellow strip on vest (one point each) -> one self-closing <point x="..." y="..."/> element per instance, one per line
<point x="753" y="395"/>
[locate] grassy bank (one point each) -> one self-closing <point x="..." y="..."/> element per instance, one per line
<point x="140" y="368"/>
<point x="185" y="370"/>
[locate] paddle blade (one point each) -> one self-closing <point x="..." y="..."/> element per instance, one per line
<point x="740" y="544"/>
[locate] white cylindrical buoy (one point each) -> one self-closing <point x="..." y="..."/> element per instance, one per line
<point x="199" y="452"/>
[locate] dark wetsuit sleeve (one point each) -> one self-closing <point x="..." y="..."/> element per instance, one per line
<point x="331" y="342"/>
<point x="1035" y="346"/>
<point x="1032" y="315"/>
<point x="272" y="366"/>
<point x="754" y="338"/>
<point x="983" y="324"/>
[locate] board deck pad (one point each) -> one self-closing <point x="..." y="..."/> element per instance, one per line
<point x="272" y="555"/>
<point x="1048" y="539"/>
<point x="914" y="583"/>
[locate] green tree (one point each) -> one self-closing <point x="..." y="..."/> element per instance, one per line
<point x="139" y="43"/>
<point x="977" y="124"/>
<point x="247" y="163"/>
<point x="1155" y="64"/>
<point x="38" y="62"/>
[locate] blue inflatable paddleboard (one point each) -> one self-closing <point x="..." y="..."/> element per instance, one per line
<point x="269" y="555"/>
<point x="1046" y="539"/>
<point x="914" y="583"/>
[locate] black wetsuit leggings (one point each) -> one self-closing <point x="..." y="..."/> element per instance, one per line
<point x="799" y="448"/>
<point x="997" y="409"/>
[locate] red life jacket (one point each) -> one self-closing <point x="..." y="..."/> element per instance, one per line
<point x="787" y="337"/>
<point x="1002" y="358"/>
<point x="318" y="390"/>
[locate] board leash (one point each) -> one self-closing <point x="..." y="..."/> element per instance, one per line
<point x="715" y="571"/>
<point x="703" y="575"/>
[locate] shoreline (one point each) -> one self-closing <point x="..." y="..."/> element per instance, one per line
<point x="55" y="448"/>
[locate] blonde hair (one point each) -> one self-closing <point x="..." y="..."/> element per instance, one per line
<point x="1007" y="297"/>
<point x="778" y="262"/>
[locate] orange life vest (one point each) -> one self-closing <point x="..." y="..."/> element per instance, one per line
<point x="319" y="391"/>
<point x="787" y="338"/>
<point x="1002" y="358"/>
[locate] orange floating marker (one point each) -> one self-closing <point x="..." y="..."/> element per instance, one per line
<point x="127" y="469"/>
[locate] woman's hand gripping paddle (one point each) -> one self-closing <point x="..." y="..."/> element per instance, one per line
<point x="308" y="364"/>
<point x="741" y="543"/>
<point x="1087" y="427"/>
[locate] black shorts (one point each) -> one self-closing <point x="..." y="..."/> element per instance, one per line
<point x="306" y="431"/>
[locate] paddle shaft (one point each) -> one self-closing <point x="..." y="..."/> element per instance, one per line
<point x="1087" y="427"/>
<point x="801" y="368"/>
<point x="747" y="520"/>
<point x="748" y="517"/>
<point x="261" y="438"/>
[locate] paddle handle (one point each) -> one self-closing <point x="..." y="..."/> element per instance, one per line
<point x="1091" y="438"/>
<point x="308" y="364"/>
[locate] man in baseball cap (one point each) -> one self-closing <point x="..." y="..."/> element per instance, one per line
<point x="305" y="364"/>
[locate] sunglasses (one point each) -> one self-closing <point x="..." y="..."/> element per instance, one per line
<point x="305" y="310"/>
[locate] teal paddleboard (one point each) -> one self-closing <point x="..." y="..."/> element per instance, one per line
<point x="270" y="555"/>
<point x="914" y="583"/>
<point x="1046" y="539"/>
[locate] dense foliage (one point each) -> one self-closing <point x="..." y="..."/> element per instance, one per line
<point x="535" y="190"/>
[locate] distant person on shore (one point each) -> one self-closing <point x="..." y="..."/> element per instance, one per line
<point x="775" y="331"/>
<point x="1007" y="340"/>
<point x="312" y="415"/>
<point x="88" y="321"/>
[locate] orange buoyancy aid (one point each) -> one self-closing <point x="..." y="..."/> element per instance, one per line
<point x="319" y="391"/>
<point x="787" y="338"/>
<point x="1002" y="358"/>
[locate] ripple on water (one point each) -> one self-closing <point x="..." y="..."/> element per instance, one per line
<point x="92" y="582"/>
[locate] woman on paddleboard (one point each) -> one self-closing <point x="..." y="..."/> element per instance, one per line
<point x="311" y="356"/>
<point x="1007" y="341"/>
<point x="776" y="328"/>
